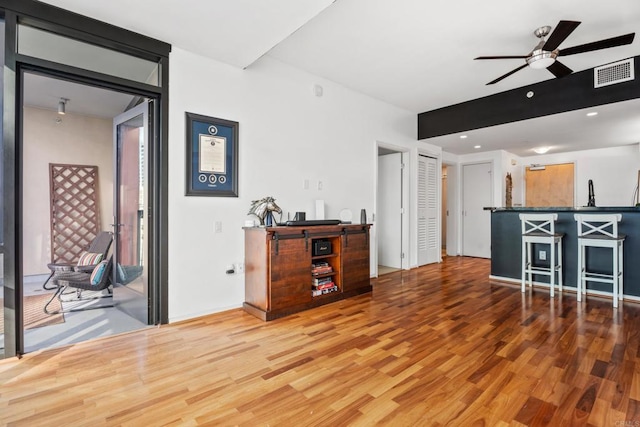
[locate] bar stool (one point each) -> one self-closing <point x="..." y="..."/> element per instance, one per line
<point x="540" y="228"/>
<point x="600" y="231"/>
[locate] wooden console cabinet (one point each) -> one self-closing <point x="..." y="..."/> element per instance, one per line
<point x="278" y="267"/>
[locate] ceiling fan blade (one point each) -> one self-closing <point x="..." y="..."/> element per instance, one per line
<point x="559" y="34"/>
<point x="502" y="57"/>
<point x="601" y="44"/>
<point x="558" y="69"/>
<point x="507" y="75"/>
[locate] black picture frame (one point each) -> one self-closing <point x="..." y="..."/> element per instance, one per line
<point x="211" y="156"/>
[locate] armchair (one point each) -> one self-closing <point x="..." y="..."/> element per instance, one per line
<point x="96" y="252"/>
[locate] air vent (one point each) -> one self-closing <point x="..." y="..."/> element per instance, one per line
<point x="616" y="72"/>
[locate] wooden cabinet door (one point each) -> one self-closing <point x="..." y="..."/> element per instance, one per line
<point x="290" y="272"/>
<point x="355" y="261"/>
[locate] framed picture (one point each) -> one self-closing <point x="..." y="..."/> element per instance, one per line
<point x="212" y="156"/>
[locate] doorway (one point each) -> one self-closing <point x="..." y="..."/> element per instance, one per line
<point x="82" y="138"/>
<point x="390" y="213"/>
<point x="46" y="41"/>
<point x="445" y="211"/>
<point x="476" y="219"/>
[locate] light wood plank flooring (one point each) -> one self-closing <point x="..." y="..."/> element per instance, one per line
<point x="439" y="345"/>
<point x="383" y="269"/>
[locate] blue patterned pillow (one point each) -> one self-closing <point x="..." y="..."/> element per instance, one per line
<point x="98" y="272"/>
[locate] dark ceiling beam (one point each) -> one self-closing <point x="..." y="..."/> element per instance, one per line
<point x="569" y="93"/>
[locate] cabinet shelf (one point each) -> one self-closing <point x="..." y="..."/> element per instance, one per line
<point x="332" y="293"/>
<point x="324" y="256"/>
<point x="321" y="275"/>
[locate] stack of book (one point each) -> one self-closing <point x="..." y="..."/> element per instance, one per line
<point x="323" y="286"/>
<point x="321" y="267"/>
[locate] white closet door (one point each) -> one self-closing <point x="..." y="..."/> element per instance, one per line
<point x="428" y="246"/>
<point x="476" y="221"/>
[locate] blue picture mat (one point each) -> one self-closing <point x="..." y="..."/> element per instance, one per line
<point x="211" y="183"/>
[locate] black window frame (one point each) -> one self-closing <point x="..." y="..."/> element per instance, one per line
<point x="84" y="29"/>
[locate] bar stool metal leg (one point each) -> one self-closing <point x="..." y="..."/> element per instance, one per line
<point x="529" y="266"/>
<point x="616" y="277"/>
<point x="560" y="265"/>
<point x="524" y="264"/>
<point x="621" y="259"/>
<point x="579" y="278"/>
<point x="552" y="268"/>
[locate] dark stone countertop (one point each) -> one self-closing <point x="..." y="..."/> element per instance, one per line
<point x="568" y="209"/>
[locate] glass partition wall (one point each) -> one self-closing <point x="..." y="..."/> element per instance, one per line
<point x="50" y="54"/>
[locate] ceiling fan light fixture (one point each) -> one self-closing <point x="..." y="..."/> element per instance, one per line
<point x="546" y="51"/>
<point x="540" y="59"/>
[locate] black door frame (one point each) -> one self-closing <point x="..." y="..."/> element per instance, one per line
<point x="87" y="30"/>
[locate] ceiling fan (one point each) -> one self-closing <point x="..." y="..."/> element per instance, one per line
<point x="546" y="51"/>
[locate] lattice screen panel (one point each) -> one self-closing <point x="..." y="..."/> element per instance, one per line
<point x="75" y="211"/>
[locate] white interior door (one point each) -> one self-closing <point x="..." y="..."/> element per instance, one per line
<point x="389" y="219"/>
<point x="428" y="246"/>
<point x="476" y="221"/>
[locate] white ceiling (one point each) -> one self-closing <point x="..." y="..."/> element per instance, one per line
<point x="614" y="125"/>
<point x="45" y="92"/>
<point x="415" y="54"/>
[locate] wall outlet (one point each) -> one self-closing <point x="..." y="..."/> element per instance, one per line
<point x="239" y="267"/>
<point x="542" y="255"/>
<point x="217" y="227"/>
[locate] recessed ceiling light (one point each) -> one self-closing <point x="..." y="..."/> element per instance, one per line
<point x="541" y="150"/>
<point x="477" y="146"/>
<point x="591" y="114"/>
<point x="463" y="136"/>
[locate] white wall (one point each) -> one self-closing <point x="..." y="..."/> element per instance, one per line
<point x="614" y="172"/>
<point x="287" y="135"/>
<point x="512" y="164"/>
<point x="78" y="140"/>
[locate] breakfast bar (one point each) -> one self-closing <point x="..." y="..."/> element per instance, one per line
<point x="506" y="249"/>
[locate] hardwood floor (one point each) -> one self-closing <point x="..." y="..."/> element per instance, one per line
<point x="439" y="345"/>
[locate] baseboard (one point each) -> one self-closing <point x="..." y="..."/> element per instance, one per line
<point x="192" y="316"/>
<point x="565" y="288"/>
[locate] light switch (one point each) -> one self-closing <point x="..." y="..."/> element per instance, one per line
<point x="218" y="226"/>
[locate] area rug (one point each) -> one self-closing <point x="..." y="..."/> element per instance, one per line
<point x="34" y="315"/>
